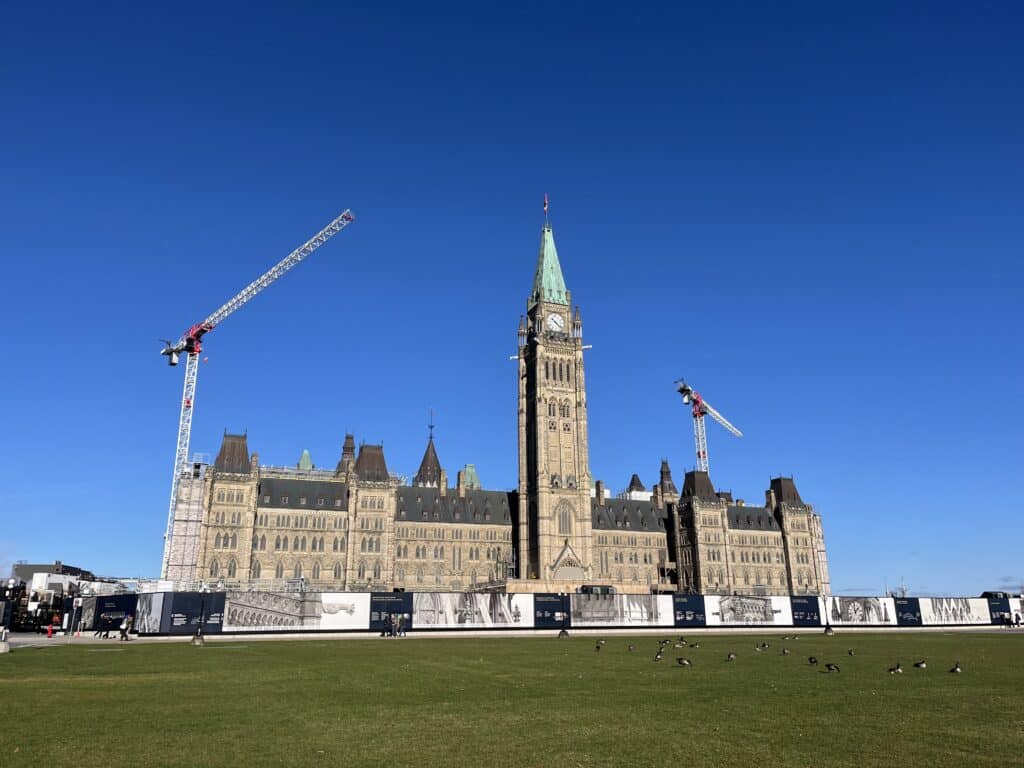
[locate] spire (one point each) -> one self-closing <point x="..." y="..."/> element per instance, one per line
<point x="548" y="283"/>
<point x="429" y="473"/>
<point x="305" y="461"/>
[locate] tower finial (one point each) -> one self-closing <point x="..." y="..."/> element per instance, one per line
<point x="545" y="207"/>
<point x="430" y="426"/>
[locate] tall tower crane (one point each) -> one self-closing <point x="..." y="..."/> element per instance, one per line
<point x="701" y="408"/>
<point x="190" y="344"/>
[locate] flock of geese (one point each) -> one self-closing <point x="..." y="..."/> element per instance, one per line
<point x="830" y="667"/>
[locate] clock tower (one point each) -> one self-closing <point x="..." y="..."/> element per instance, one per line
<point x="554" y="524"/>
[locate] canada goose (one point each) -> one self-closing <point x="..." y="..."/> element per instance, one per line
<point x="785" y="651"/>
<point x="632" y="647"/>
<point x="849" y="652"/>
<point x="657" y="656"/>
<point x="683" y="662"/>
<point x="812" y="660"/>
<point x="956" y="668"/>
<point x="695" y="645"/>
<point x="831" y="667"/>
<point x="597" y="647"/>
<point x="897" y="670"/>
<point x="731" y="656"/>
<point x="922" y="664"/>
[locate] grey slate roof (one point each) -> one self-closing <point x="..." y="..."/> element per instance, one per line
<point x="751" y="519"/>
<point x="370" y="464"/>
<point x="635" y="484"/>
<point x="286" y="492"/>
<point x="233" y="455"/>
<point x="427" y="505"/>
<point x="698" y="484"/>
<point x="786" y="492"/>
<point x="626" y="515"/>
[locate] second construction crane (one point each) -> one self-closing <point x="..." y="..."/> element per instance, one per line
<point x="190" y="344"/>
<point x="700" y="410"/>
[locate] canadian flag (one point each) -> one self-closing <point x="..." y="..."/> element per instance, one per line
<point x="545" y="203"/>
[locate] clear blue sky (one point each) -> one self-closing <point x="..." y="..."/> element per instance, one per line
<point x="811" y="212"/>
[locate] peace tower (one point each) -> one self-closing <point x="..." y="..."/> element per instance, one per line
<point x="554" y="522"/>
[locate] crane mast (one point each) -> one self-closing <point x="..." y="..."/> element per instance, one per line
<point x="700" y="408"/>
<point x="190" y="344"/>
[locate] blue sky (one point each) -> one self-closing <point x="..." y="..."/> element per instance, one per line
<point x="811" y="212"/>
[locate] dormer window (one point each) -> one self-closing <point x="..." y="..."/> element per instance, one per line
<point x="320" y="501"/>
<point x="284" y="499"/>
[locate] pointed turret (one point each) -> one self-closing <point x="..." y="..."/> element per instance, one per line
<point x="667" y="486"/>
<point x="305" y="461"/>
<point x="348" y="455"/>
<point x="429" y="474"/>
<point x="548" y="283"/>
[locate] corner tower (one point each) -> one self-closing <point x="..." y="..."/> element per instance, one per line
<point x="554" y="524"/>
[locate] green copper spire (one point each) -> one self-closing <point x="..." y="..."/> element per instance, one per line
<point x="305" y="461"/>
<point x="548" y="283"/>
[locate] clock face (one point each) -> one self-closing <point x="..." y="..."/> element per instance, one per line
<point x="556" y="322"/>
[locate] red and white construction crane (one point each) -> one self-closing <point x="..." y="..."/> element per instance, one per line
<point x="190" y="344"/>
<point x="700" y="410"/>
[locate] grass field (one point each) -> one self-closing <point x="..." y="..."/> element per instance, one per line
<point x="516" y="701"/>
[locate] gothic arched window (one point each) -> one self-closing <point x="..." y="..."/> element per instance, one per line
<point x="214" y="568"/>
<point x="337" y="570"/>
<point x="231" y="568"/>
<point x="256" y="569"/>
<point x="316" y="570"/>
<point x="279" y="571"/>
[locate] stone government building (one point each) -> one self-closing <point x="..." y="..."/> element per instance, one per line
<point x="359" y="527"/>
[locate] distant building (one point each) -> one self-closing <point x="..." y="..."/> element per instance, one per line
<point x="358" y="527"/>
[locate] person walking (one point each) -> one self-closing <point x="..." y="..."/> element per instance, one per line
<point x="124" y="629"/>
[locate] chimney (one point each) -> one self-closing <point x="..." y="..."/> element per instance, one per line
<point x="460" y="484"/>
<point x="254" y="461"/>
<point x="740" y="503"/>
<point x="442" y="487"/>
<point x="600" y="493"/>
<point x="769" y="499"/>
<point x="659" y="499"/>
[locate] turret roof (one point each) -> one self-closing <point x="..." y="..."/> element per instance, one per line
<point x="430" y="468"/>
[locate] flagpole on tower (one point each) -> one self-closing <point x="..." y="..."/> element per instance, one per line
<point x="546" y="222"/>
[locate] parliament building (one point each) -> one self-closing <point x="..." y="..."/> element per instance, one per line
<point x="360" y="527"/>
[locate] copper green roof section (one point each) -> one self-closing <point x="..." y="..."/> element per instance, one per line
<point x="305" y="461"/>
<point x="548" y="283"/>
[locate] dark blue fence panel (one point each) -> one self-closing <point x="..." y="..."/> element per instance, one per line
<point x="806" y="611"/>
<point x="908" y="611"/>
<point x="383" y="605"/>
<point x="999" y="610"/>
<point x="688" y="610"/>
<point x="111" y="610"/>
<point x="184" y="612"/>
<point x="551" y="611"/>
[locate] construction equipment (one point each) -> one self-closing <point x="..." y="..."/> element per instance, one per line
<point x="700" y="410"/>
<point x="190" y="344"/>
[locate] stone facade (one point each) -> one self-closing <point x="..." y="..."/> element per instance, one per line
<point x="358" y="527"/>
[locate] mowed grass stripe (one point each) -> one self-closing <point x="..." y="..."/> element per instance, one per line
<point x="520" y="701"/>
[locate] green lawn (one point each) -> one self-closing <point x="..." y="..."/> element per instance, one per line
<point x="516" y="701"/>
